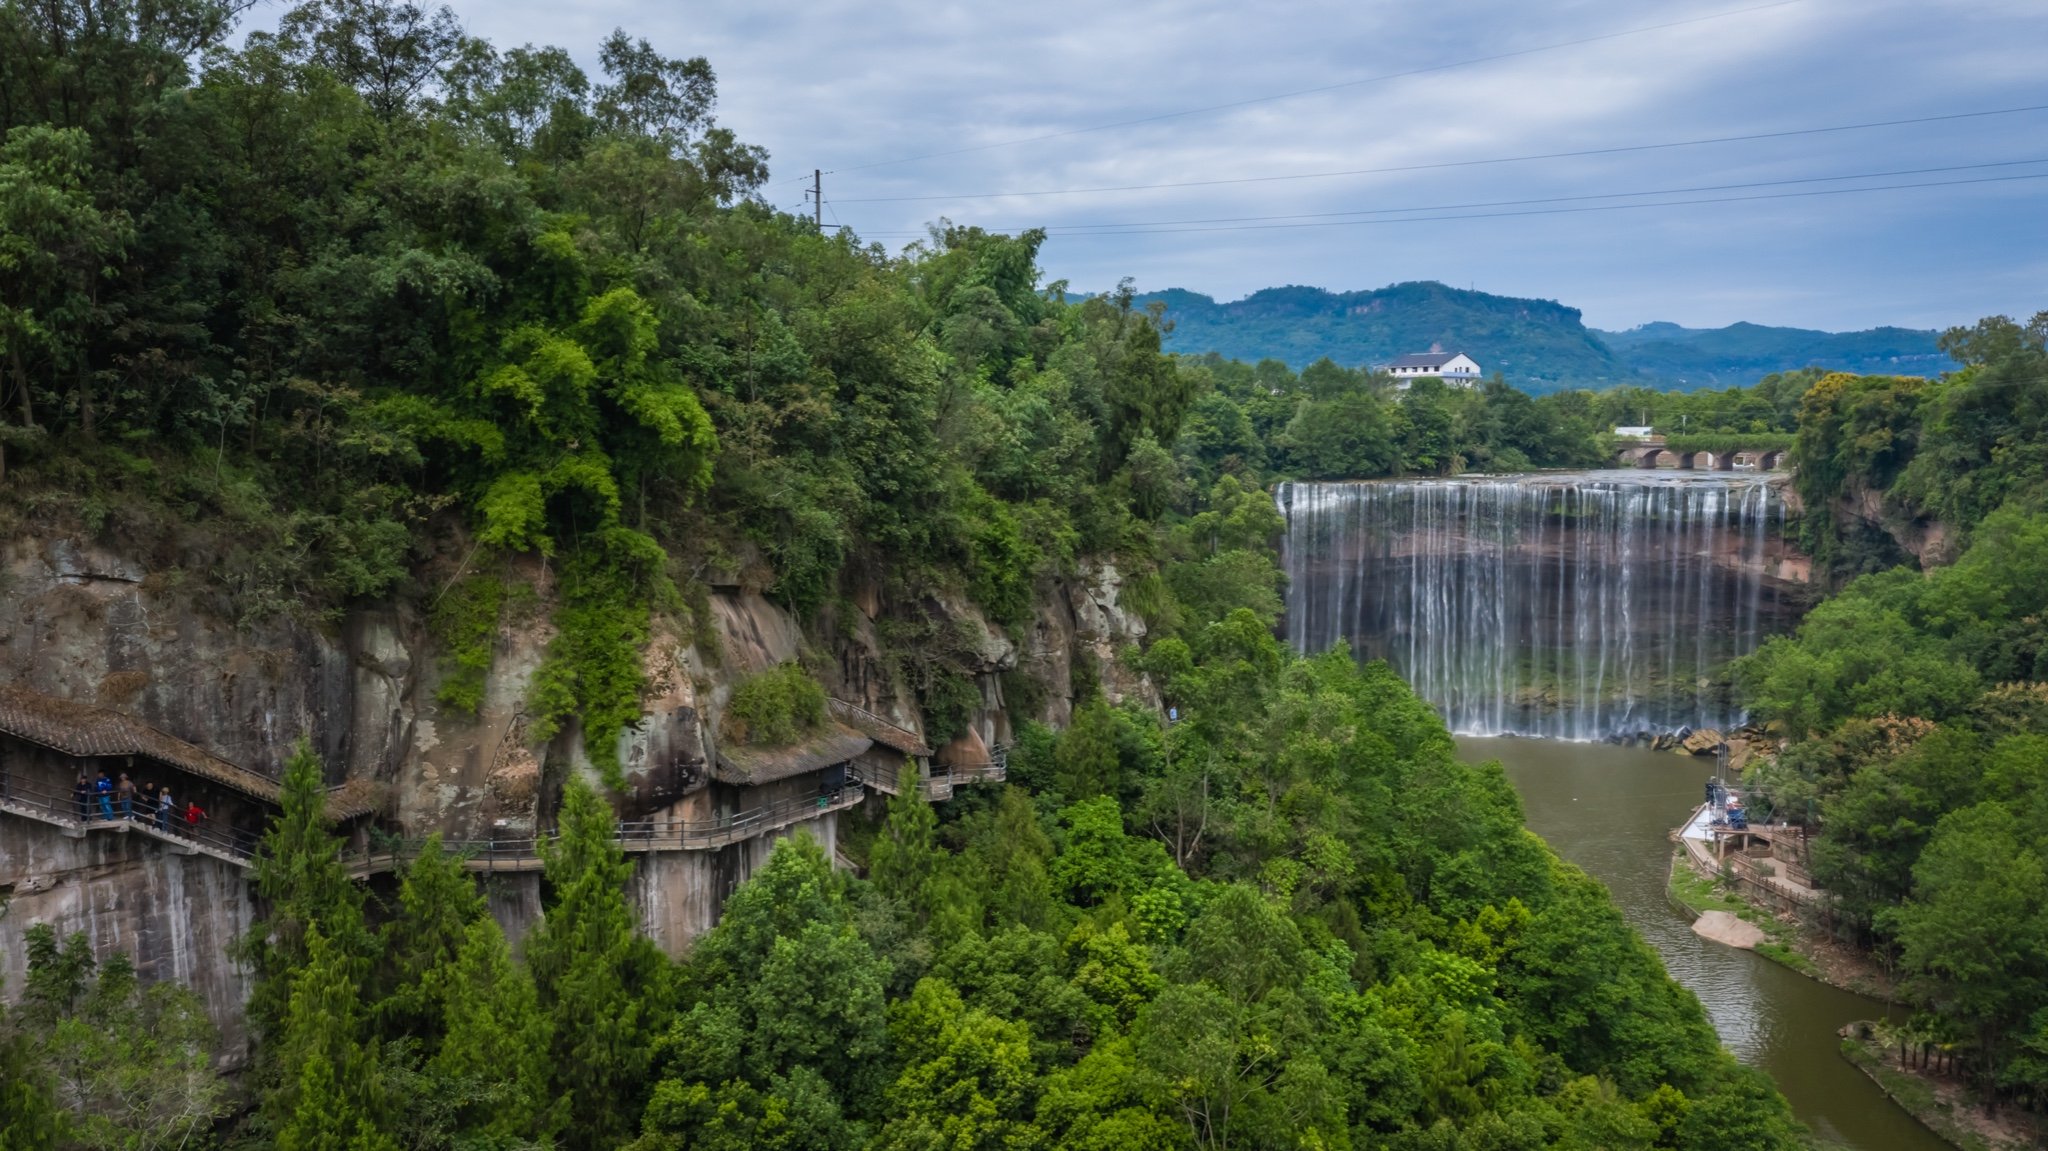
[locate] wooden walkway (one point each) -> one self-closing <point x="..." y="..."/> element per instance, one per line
<point x="483" y="855"/>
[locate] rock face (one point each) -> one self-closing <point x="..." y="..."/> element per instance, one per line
<point x="78" y="622"/>
<point x="1930" y="542"/>
<point x="175" y="915"/>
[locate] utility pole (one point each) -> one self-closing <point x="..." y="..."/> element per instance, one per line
<point x="818" y="198"/>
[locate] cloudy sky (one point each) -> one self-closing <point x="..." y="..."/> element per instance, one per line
<point x="922" y="111"/>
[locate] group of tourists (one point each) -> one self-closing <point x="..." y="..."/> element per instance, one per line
<point x="102" y="798"/>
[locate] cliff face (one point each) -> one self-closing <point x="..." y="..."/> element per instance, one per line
<point x="78" y="622"/>
<point x="1930" y="542"/>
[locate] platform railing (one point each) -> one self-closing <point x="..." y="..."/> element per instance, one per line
<point x="523" y="853"/>
<point x="859" y="714"/>
<point x="66" y="810"/>
<point x="497" y="853"/>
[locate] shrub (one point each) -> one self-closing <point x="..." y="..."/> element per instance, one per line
<point x="778" y="706"/>
<point x="465" y="622"/>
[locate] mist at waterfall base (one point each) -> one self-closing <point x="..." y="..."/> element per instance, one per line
<point x="1580" y="606"/>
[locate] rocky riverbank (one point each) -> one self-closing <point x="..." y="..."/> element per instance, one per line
<point x="1786" y="939"/>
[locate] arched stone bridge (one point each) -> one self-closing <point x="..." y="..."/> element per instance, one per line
<point x="1649" y="454"/>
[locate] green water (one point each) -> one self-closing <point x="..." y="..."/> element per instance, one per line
<point x="1610" y="810"/>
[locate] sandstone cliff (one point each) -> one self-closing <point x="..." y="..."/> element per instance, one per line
<point x="81" y="622"/>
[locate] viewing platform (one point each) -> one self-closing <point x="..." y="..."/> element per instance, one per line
<point x="1764" y="860"/>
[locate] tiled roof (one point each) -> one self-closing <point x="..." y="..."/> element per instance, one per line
<point x="750" y="766"/>
<point x="87" y="730"/>
<point x="1424" y="359"/>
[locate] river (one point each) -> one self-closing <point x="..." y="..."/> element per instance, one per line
<point x="1610" y="810"/>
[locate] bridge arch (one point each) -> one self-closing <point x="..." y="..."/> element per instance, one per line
<point x="1652" y="458"/>
<point x="1770" y="461"/>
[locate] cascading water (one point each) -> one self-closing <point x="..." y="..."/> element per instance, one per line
<point x="1588" y="605"/>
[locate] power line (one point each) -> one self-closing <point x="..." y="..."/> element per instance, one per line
<point x="1067" y="229"/>
<point x="1610" y="151"/>
<point x="1154" y="230"/>
<point x="1379" y="79"/>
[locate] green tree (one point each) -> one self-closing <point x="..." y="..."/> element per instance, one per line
<point x="1975" y="932"/>
<point x="56" y="246"/>
<point x="30" y="1119"/>
<point x="330" y="1095"/>
<point x="437" y="903"/>
<point x="901" y="861"/>
<point x="133" y="1064"/>
<point x="785" y="981"/>
<point x="299" y="875"/>
<point x="602" y="986"/>
<point x="497" y="1048"/>
<point x="1087" y="759"/>
<point x="967" y="1080"/>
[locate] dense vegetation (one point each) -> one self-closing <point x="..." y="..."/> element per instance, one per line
<point x="366" y="308"/>
<point x="1264" y="422"/>
<point x="360" y="309"/>
<point x="1538" y="342"/>
<point x="1290" y="920"/>
<point x="1915" y="701"/>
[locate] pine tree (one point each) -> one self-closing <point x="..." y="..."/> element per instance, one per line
<point x="329" y="1096"/>
<point x="497" y="1039"/>
<point x="29" y="1119"/>
<point x="438" y="903"/>
<point x="1087" y="762"/>
<point x="602" y="986"/>
<point x="903" y="854"/>
<point x="299" y="875"/>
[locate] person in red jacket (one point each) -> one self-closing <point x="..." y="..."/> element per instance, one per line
<point x="193" y="814"/>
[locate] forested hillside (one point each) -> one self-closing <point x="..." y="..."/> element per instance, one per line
<point x="308" y="320"/>
<point x="1539" y="345"/>
<point x="1739" y="353"/>
<point x="1914" y="698"/>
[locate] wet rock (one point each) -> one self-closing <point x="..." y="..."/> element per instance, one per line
<point x="1725" y="927"/>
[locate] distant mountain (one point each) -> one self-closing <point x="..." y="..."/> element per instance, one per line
<point x="1532" y="341"/>
<point x="1739" y="353"/>
<point x="1539" y="344"/>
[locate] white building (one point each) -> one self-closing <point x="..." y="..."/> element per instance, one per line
<point x="1451" y="367"/>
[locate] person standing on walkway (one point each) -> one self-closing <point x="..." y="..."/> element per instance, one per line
<point x="104" y="788"/>
<point x="163" y="808"/>
<point x="125" y="792"/>
<point x="82" y="791"/>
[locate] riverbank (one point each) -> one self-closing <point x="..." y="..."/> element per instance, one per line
<point x="1788" y="941"/>
<point x="1942" y="1103"/>
<point x="1608" y="809"/>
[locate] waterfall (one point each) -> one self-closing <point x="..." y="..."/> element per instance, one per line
<point x="1587" y="605"/>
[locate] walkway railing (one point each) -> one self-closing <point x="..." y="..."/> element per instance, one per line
<point x="938" y="787"/>
<point x="79" y="818"/>
<point x="523" y="853"/>
<point x="857" y="714"/>
<point x="509" y="853"/>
